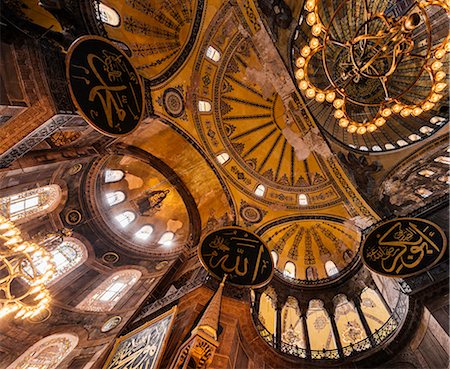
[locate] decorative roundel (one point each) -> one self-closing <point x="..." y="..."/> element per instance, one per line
<point x="110" y="257"/>
<point x="173" y="102"/>
<point x="73" y="217"/>
<point x="111" y="323"/>
<point x="75" y="169"/>
<point x="251" y="214"/>
<point x="41" y="317"/>
<point x="161" y="265"/>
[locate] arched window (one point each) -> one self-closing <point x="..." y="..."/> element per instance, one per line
<point x="125" y="218"/>
<point x="425" y="130"/>
<point x="291" y="324"/>
<point x="223" y="158"/>
<point x="204" y="106"/>
<point x="260" y="190"/>
<point x="414" y="137"/>
<point x="166" y="238"/>
<point x="402" y="143"/>
<point x="114" y="198"/>
<point x="331" y="268"/>
<point x="302" y="199"/>
<point x="443" y="160"/>
<point x="437" y="120"/>
<point x="319" y="327"/>
<point x="144" y="233"/>
<point x="389" y="146"/>
<point x="113" y="175"/>
<point x="376" y="148"/>
<point x="373" y="309"/>
<point x="363" y="148"/>
<point x="32" y="203"/>
<point x="213" y="54"/>
<point x="266" y="312"/>
<point x="426" y="173"/>
<point x="423" y="192"/>
<point x="108" y="15"/>
<point x="311" y="273"/>
<point x="348" y="323"/>
<point x="108" y="294"/>
<point x="289" y="269"/>
<point x="274" y="257"/>
<point x="47" y="353"/>
<point x="67" y="256"/>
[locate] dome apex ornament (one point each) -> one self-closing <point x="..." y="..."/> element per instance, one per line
<point x="385" y="65"/>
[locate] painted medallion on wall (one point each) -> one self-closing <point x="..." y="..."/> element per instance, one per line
<point x="104" y="85"/>
<point x="142" y="348"/>
<point x="403" y="247"/>
<point x="239" y="254"/>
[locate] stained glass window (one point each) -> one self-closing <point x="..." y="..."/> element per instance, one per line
<point x="48" y="353"/>
<point x="110" y="291"/>
<point x="114" y="198"/>
<point x="67" y="256"/>
<point x="32" y="203"/>
<point x="113" y="175"/>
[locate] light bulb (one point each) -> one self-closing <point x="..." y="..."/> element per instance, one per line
<point x="306" y="50"/>
<point x="338" y="103"/>
<point x="417" y="111"/>
<point x="439" y="54"/>
<point x="440" y="87"/>
<point x="320" y="97"/>
<point x="300" y="74"/>
<point x="435" y="98"/>
<point x="331" y="96"/>
<point x="439" y="76"/>
<point x="300" y="62"/>
<point x="361" y="130"/>
<point x="310" y="93"/>
<point x="311" y="19"/>
<point x="380" y="121"/>
<point x="310" y="4"/>
<point x="406" y="112"/>
<point x="351" y="128"/>
<point x="338" y="114"/>
<point x="343" y="122"/>
<point x="303" y="85"/>
<point x="436" y="65"/>
<point x="371" y="128"/>
<point x="397" y="108"/>
<point x="314" y="43"/>
<point x="427" y="106"/>
<point x="316" y="29"/>
<point x="386" y="112"/>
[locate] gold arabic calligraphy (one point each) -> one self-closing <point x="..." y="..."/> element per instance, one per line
<point x="402" y="247"/>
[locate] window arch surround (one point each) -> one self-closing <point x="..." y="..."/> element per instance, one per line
<point x="106" y="295"/>
<point x="49" y="352"/>
<point x="68" y="255"/>
<point x="31" y="204"/>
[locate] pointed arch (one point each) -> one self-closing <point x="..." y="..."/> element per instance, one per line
<point x="110" y="291"/>
<point x="31" y="204"/>
<point x="47" y="353"/>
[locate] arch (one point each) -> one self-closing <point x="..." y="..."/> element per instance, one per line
<point x="125" y="218"/>
<point x="267" y="314"/>
<point x="223" y="158"/>
<point x="319" y="327"/>
<point x="167" y="238"/>
<point x="49" y="352"/>
<point x="311" y="273"/>
<point x="31" y="204"/>
<point x="204" y="106"/>
<point x="331" y="268"/>
<point x="113" y="175"/>
<point x="114" y="198"/>
<point x="274" y="257"/>
<point x="108" y="15"/>
<point x="374" y="309"/>
<point x="302" y="199"/>
<point x="291" y="324"/>
<point x="289" y="270"/>
<point x="67" y="256"/>
<point x="144" y="233"/>
<point x="213" y="54"/>
<point x="348" y="322"/>
<point x="110" y="291"/>
<point x="260" y="190"/>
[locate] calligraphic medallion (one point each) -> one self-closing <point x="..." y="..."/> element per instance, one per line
<point x="104" y="86"/>
<point x="237" y="253"/>
<point x="403" y="247"/>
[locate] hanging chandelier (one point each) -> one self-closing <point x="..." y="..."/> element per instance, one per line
<point x="25" y="267"/>
<point x="382" y="65"/>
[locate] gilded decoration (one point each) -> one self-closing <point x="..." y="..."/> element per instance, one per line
<point x="160" y="34"/>
<point x="310" y="243"/>
<point x="142" y="348"/>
